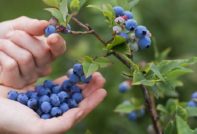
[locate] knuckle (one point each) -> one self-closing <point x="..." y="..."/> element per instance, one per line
<point x="26" y="59"/>
<point x="10" y="65"/>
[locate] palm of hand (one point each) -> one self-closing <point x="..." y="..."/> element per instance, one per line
<point x="17" y="118"/>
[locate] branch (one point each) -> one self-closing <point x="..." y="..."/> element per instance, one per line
<point x="150" y="105"/>
<point x="81" y="33"/>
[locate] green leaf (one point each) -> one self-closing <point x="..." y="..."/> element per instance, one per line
<point x="192" y="112"/>
<point x="56" y="13"/>
<point x="170" y="128"/>
<point x="182" y="126"/>
<point x="123" y="48"/>
<point x="52" y="3"/>
<point x="125" y="108"/>
<point x="172" y="105"/>
<point x="182" y="112"/>
<point x="88" y="132"/>
<point x="75" y="5"/>
<point x="133" y="3"/>
<point x="89" y="68"/>
<point x="64" y="9"/>
<point x="118" y="40"/>
<point x="156" y="71"/>
<point x="161" y="108"/>
<point x="102" y="62"/>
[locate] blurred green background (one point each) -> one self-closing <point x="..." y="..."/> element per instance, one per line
<point x="172" y="22"/>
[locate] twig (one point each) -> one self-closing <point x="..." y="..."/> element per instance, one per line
<point x="81" y="33"/>
<point x="80" y="24"/>
<point x="152" y="110"/>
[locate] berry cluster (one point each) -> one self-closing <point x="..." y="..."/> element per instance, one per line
<point x="53" y="27"/>
<point x="52" y="100"/>
<point x="124" y="86"/>
<point x="134" y="115"/>
<point x="193" y="101"/>
<point x="127" y="27"/>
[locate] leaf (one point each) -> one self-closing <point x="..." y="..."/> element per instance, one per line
<point x="182" y="126"/>
<point x="64" y="9"/>
<point x="161" y="108"/>
<point x="56" y="13"/>
<point x="123" y="48"/>
<point x="102" y="62"/>
<point x="89" y="68"/>
<point x="192" y="112"/>
<point x="88" y="132"/>
<point x="125" y="108"/>
<point x="52" y="3"/>
<point x="75" y="5"/>
<point x="170" y="128"/>
<point x="118" y="40"/>
<point x="156" y="71"/>
<point x="133" y="3"/>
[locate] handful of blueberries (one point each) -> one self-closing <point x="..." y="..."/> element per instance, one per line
<point x="52" y="100"/>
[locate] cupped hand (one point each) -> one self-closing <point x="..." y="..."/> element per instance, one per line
<point x="16" y="118"/>
<point x="25" y="54"/>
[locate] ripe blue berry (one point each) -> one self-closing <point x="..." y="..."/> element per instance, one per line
<point x="141" y="31"/>
<point x="44" y="98"/>
<point x="33" y="95"/>
<point x="78" y="69"/>
<point x="86" y="80"/>
<point x="128" y="14"/>
<point x="55" y="112"/>
<point x="194" y="95"/>
<point x="39" y="111"/>
<point x="63" y="96"/>
<point x="124" y="35"/>
<point x="50" y="30"/>
<point x="56" y="89"/>
<point x="131" y="24"/>
<point x="48" y="84"/>
<point x="41" y="90"/>
<point x="132" y="116"/>
<point x="124" y="87"/>
<point x="144" y="42"/>
<point x="45" y="107"/>
<point x="66" y="85"/>
<point x="32" y="103"/>
<point x="78" y="97"/>
<point x="75" y="89"/>
<point x="74" y="78"/>
<point x="54" y="99"/>
<point x="191" y="104"/>
<point x="12" y="95"/>
<point x="22" y="98"/>
<point x="46" y="116"/>
<point x="64" y="107"/>
<point x="119" y="11"/>
<point x="72" y="103"/>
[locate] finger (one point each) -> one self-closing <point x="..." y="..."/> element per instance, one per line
<point x="39" y="50"/>
<point x="23" y="58"/>
<point x="92" y="101"/>
<point x="10" y="75"/>
<point x="62" y="123"/>
<point x="56" y="44"/>
<point x="44" y="71"/>
<point x="31" y="26"/>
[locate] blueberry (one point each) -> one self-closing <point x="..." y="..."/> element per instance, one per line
<point x="144" y="42"/>
<point x="131" y="24"/>
<point x="134" y="47"/>
<point x="78" y="97"/>
<point x="68" y="27"/>
<point x="124" y="35"/>
<point x="63" y="96"/>
<point x="56" y="89"/>
<point x="46" y="116"/>
<point x="66" y="85"/>
<point x="128" y="14"/>
<point x="50" y="30"/>
<point x="48" y="84"/>
<point x="119" y="20"/>
<point x="86" y="80"/>
<point x="64" y="107"/>
<point x="45" y="107"/>
<point x="39" y="112"/>
<point x="141" y="31"/>
<point x="74" y="78"/>
<point x="34" y="95"/>
<point x="70" y="72"/>
<point x="32" y="103"/>
<point x="191" y="104"/>
<point x="41" y="90"/>
<point x="44" y="98"/>
<point x="29" y="93"/>
<point x="22" y="98"/>
<point x="117" y="29"/>
<point x="54" y="99"/>
<point x="124" y="87"/>
<point x="55" y="112"/>
<point x="132" y="116"/>
<point x="12" y="95"/>
<point x="78" y="69"/>
<point x="72" y="103"/>
<point x="75" y="89"/>
<point x="119" y="11"/>
<point x="194" y="95"/>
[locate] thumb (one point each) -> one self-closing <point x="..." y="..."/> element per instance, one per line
<point x="31" y="26"/>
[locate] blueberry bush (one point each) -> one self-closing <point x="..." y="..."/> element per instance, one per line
<point x="157" y="80"/>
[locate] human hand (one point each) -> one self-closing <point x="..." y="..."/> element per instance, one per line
<point x="19" y="119"/>
<point x="25" y="54"/>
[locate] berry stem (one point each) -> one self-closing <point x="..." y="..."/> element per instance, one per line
<point x="150" y="105"/>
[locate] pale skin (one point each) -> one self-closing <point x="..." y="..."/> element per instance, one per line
<point x="16" y="118"/>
